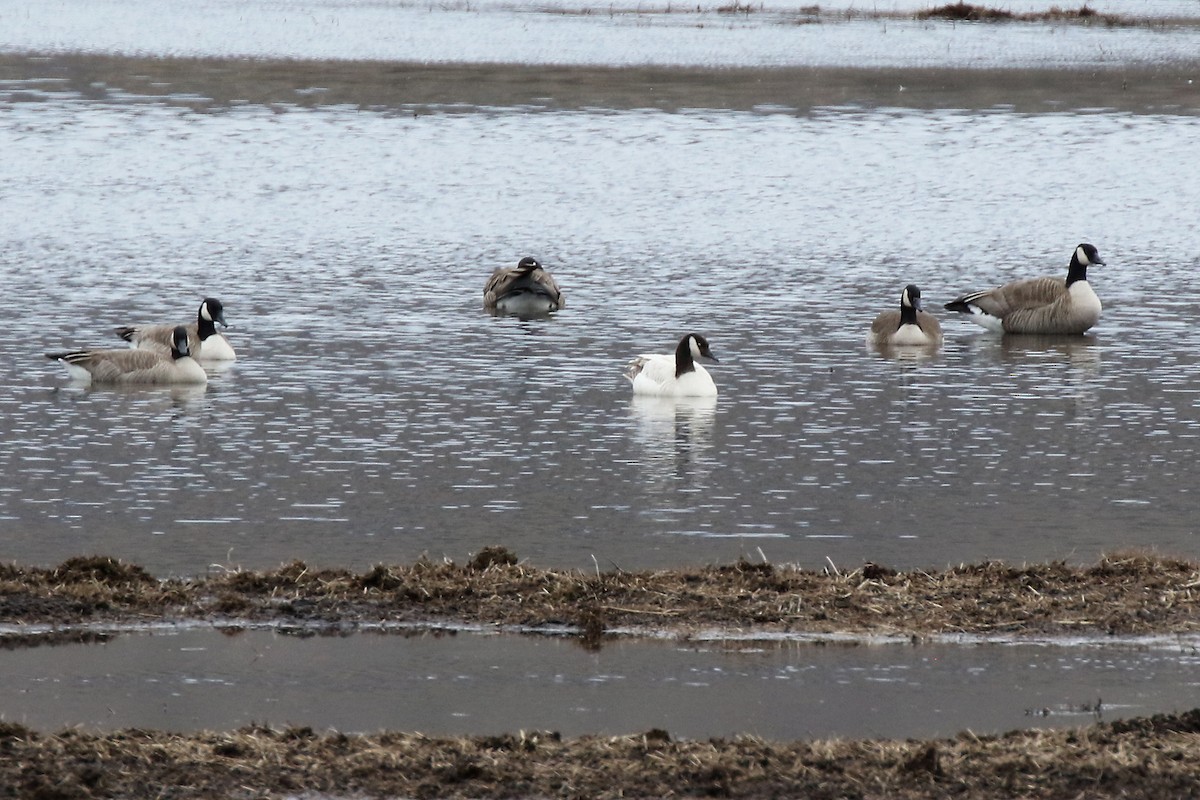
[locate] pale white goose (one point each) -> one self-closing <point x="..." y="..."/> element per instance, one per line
<point x="908" y="326"/>
<point x="135" y="366"/>
<point x="674" y="374"/>
<point x="526" y="289"/>
<point x="205" y="342"/>
<point x="1039" y="305"/>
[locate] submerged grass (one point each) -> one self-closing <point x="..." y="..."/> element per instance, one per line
<point x="1122" y="594"/>
<point x="1146" y="758"/>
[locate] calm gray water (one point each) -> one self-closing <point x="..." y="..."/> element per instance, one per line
<point x="612" y="32"/>
<point x="377" y="414"/>
<point x="448" y="685"/>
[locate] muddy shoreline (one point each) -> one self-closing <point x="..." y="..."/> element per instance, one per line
<point x="1144" y="758"/>
<point x="216" y="84"/>
<point x="1121" y="595"/>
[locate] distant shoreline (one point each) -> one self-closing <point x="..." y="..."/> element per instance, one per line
<point x="215" y="84"/>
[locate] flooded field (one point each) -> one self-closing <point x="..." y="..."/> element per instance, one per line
<point x="442" y="685"/>
<point x="624" y="33"/>
<point x="376" y="413"/>
<point x="344" y="176"/>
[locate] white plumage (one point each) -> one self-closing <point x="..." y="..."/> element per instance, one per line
<point x="674" y="374"/>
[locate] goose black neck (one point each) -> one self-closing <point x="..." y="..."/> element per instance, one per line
<point x="908" y="315"/>
<point x="683" y="357"/>
<point x="1077" y="271"/>
<point x="206" y="327"/>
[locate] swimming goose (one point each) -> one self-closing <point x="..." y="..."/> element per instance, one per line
<point x="1039" y="305"/>
<point x="674" y="374"/>
<point x="206" y="344"/>
<point x="523" y="289"/>
<point x="908" y="326"/>
<point x="135" y="366"/>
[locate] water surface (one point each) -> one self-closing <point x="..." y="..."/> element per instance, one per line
<point x="472" y="684"/>
<point x="769" y="180"/>
<point x="376" y="414"/>
<point x="625" y="33"/>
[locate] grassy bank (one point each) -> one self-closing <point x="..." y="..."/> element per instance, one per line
<point x="1119" y="595"/>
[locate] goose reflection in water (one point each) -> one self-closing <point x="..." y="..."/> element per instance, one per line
<point x="1066" y="369"/>
<point x="1079" y="352"/>
<point x="905" y="355"/>
<point x="676" y="436"/>
<point x="179" y="394"/>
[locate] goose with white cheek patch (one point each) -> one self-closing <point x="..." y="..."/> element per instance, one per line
<point x="134" y="366"/>
<point x="674" y="374"/>
<point x="907" y="327"/>
<point x="1039" y="305"/>
<point x="206" y="343"/>
<point x="526" y="289"/>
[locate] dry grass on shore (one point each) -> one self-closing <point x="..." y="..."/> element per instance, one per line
<point x="1149" y="758"/>
<point x="1122" y="594"/>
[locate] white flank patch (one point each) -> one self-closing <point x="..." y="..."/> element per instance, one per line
<point x="980" y="317"/>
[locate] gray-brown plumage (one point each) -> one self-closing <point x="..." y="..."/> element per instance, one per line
<point x="134" y="366"/>
<point x="1039" y="305"/>
<point x="524" y="289"/>
<point x="907" y="325"/>
<point x="203" y="339"/>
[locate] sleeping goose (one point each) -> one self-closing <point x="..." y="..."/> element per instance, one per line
<point x="134" y="366"/>
<point x="674" y="374"/>
<point x="206" y="344"/>
<point x="1038" y="305"/>
<point x="525" y="289"/>
<point x="908" y="326"/>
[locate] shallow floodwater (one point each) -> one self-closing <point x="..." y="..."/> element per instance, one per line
<point x="445" y="685"/>
<point x="625" y="32"/>
<point x="377" y="414"/>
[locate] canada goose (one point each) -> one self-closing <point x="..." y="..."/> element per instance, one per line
<point x="1038" y="305"/>
<point x="674" y="374"/>
<point x="524" y="289"/>
<point x="134" y="365"/>
<point x="206" y="344"/>
<point x="908" y="326"/>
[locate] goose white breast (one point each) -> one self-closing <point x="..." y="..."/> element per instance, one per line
<point x="134" y="366"/>
<point x="674" y="374"/>
<point x="907" y="327"/>
<point x="1039" y="305"/>
<point x="206" y="343"/>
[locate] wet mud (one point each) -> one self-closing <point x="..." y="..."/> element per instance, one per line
<point x="214" y="84"/>
<point x="1122" y="594"/>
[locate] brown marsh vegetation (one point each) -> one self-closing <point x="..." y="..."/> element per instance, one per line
<point x="968" y="12"/>
<point x="1147" y="758"/>
<point x="1120" y="594"/>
